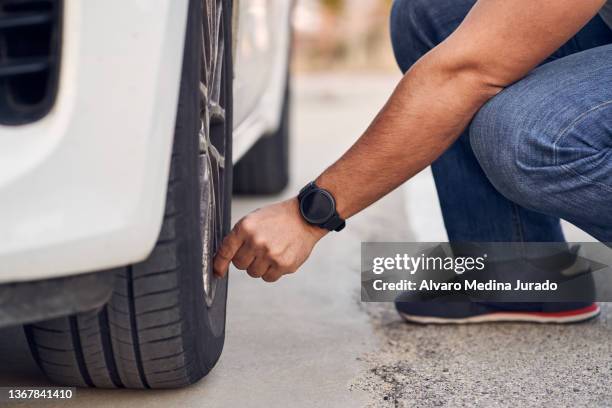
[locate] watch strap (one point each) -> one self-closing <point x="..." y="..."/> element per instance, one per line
<point x="308" y="187"/>
<point x="335" y="223"/>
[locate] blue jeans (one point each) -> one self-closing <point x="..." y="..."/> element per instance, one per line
<point x="539" y="151"/>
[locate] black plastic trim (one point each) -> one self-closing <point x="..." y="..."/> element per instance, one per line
<point x="30" y="59"/>
<point x="27" y="302"/>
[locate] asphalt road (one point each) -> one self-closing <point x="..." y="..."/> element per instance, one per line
<point x="307" y="341"/>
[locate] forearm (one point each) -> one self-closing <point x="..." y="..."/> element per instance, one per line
<point x="428" y="110"/>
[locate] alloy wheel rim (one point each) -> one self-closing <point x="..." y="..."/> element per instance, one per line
<point x="212" y="140"/>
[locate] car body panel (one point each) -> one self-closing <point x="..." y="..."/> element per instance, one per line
<point x="84" y="188"/>
<point x="261" y="60"/>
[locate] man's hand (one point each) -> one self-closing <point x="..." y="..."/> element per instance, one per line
<point x="269" y="242"/>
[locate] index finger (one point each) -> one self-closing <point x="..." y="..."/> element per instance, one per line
<point x="230" y="245"/>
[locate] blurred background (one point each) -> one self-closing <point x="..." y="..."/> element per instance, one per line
<point x="342" y="34"/>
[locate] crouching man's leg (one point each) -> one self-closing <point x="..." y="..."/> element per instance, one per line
<point x="472" y="208"/>
<point x="545" y="143"/>
<point x="505" y="201"/>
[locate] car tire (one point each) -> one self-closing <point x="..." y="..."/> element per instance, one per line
<point x="264" y="169"/>
<point x="162" y="328"/>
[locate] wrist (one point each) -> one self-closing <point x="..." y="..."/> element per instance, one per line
<point x="313" y="230"/>
<point x="293" y="208"/>
<point x="341" y="206"/>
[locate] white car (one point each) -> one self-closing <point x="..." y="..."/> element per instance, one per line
<point x="118" y="131"/>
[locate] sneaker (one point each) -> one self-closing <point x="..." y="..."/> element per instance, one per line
<point x="443" y="312"/>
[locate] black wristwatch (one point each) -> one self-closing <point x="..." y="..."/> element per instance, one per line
<point x="318" y="207"/>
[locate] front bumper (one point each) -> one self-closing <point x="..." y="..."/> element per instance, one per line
<point x="21" y="302"/>
<point x="83" y="189"/>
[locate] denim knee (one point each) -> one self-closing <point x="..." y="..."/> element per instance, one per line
<point x="495" y="139"/>
<point x="519" y="151"/>
<point x="545" y="166"/>
<point x="544" y="142"/>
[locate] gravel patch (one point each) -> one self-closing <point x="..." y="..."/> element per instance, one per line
<point x="489" y="365"/>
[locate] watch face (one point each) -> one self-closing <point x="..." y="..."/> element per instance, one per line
<point x="317" y="206"/>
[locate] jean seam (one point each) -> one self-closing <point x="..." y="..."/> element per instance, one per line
<point x="584" y="178"/>
<point x="518" y="226"/>
<point x="573" y="124"/>
<point x="564" y="132"/>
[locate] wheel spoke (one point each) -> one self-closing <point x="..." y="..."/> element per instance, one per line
<point x="217" y="114"/>
<point x="216" y="57"/>
<point x="210" y="15"/>
<point x="216" y="74"/>
<point x="205" y="60"/>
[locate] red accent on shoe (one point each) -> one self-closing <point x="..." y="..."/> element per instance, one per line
<point x="567" y="313"/>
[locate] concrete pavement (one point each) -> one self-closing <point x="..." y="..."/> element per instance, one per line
<point x="307" y="341"/>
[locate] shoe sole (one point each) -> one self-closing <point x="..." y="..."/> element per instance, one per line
<point x="570" y="316"/>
